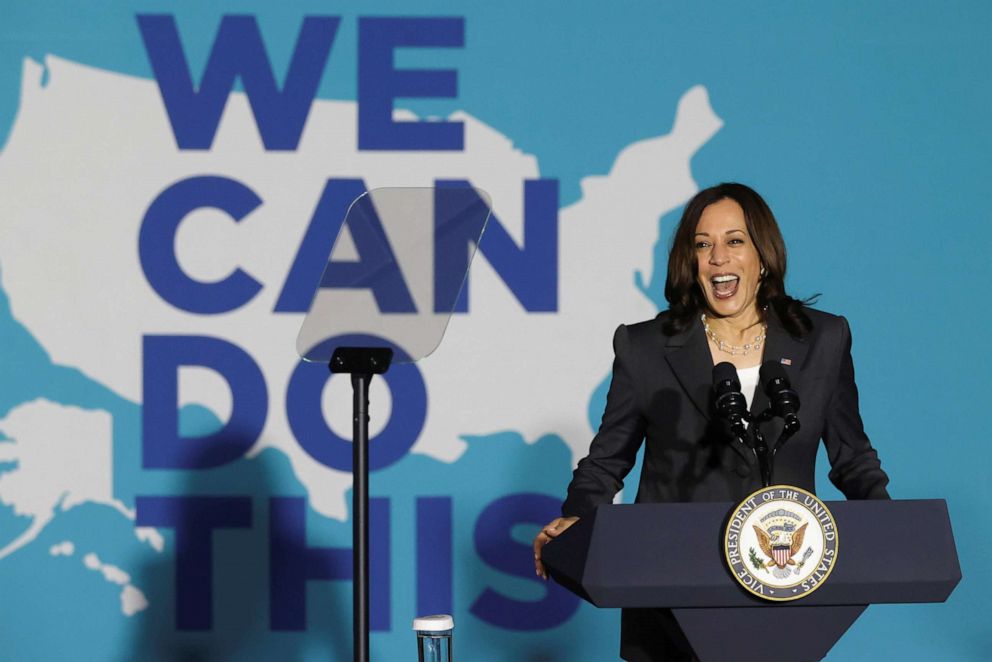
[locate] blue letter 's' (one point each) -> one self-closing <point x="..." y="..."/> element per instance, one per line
<point x="194" y="519"/>
<point x="157" y="239"/>
<point x="237" y="51"/>
<point x="496" y="546"/>
<point x="531" y="271"/>
<point x="293" y="563"/>
<point x="379" y="83"/>
<point x="162" y="446"/>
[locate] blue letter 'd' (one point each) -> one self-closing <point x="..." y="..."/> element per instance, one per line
<point x="162" y="446"/>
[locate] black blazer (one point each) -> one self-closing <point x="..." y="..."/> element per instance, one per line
<point x="660" y="394"/>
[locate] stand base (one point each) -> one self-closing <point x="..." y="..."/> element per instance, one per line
<point x="783" y="633"/>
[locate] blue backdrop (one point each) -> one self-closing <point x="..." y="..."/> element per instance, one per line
<point x="864" y="126"/>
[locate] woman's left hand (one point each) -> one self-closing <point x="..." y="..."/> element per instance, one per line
<point x="547" y="534"/>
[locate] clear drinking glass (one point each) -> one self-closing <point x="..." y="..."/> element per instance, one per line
<point x="434" y="635"/>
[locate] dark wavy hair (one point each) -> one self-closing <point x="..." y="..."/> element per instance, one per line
<point x="686" y="300"/>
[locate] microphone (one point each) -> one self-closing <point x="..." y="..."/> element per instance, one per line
<point x="730" y="402"/>
<point x="784" y="401"/>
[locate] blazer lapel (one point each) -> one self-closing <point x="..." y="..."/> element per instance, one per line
<point x="689" y="357"/>
<point x="691" y="361"/>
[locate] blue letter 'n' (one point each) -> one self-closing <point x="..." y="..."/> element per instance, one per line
<point x="529" y="271"/>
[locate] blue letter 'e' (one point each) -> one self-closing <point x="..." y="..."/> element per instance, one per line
<point x="379" y="83"/>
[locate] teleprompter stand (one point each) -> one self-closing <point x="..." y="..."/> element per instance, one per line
<point x="361" y="363"/>
<point x="670" y="556"/>
<point x="385" y="298"/>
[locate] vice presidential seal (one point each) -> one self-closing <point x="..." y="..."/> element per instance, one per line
<point x="781" y="543"/>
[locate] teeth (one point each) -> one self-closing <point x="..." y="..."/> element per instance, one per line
<point x="724" y="279"/>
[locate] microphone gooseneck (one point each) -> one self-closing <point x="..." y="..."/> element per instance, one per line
<point x="731" y="405"/>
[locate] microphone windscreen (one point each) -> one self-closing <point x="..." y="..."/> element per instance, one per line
<point x="784" y="401"/>
<point x="773" y="372"/>
<point x="725" y="371"/>
<point x="727" y="397"/>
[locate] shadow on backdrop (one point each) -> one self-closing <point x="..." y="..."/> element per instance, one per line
<point x="226" y="610"/>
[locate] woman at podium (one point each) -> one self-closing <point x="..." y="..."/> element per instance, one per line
<point x="727" y="303"/>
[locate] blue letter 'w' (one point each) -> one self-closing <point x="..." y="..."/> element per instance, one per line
<point x="237" y="51"/>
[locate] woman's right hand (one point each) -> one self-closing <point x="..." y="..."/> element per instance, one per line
<point x="547" y="534"/>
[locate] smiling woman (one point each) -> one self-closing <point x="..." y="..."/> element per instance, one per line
<point x="725" y="288"/>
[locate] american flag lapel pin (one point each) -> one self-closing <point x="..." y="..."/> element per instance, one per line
<point x="786" y="361"/>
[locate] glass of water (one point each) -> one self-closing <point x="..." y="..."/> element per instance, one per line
<point x="434" y="637"/>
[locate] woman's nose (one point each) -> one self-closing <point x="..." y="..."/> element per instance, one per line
<point x="718" y="255"/>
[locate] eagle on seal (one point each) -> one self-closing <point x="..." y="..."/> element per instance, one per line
<point x="779" y="547"/>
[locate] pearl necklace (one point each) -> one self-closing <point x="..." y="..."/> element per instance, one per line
<point x="734" y="350"/>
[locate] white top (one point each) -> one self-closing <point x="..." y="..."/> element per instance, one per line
<point x="749" y="382"/>
<point x="436" y="623"/>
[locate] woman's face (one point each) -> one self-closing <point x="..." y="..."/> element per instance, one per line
<point x="728" y="268"/>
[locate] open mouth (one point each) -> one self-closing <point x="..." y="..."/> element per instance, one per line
<point x="725" y="285"/>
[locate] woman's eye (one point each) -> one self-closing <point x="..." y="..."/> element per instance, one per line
<point x="701" y="244"/>
<point x="736" y="241"/>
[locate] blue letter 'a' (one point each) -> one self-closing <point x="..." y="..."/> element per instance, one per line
<point x="375" y="269"/>
<point x="237" y="51"/>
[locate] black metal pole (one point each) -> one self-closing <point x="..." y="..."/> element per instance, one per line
<point x="360" y="507"/>
<point x="361" y="363"/>
<point x="764" y="457"/>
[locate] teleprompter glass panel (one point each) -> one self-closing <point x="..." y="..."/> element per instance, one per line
<point x="395" y="271"/>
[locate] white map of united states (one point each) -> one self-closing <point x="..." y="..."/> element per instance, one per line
<point x="90" y="150"/>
